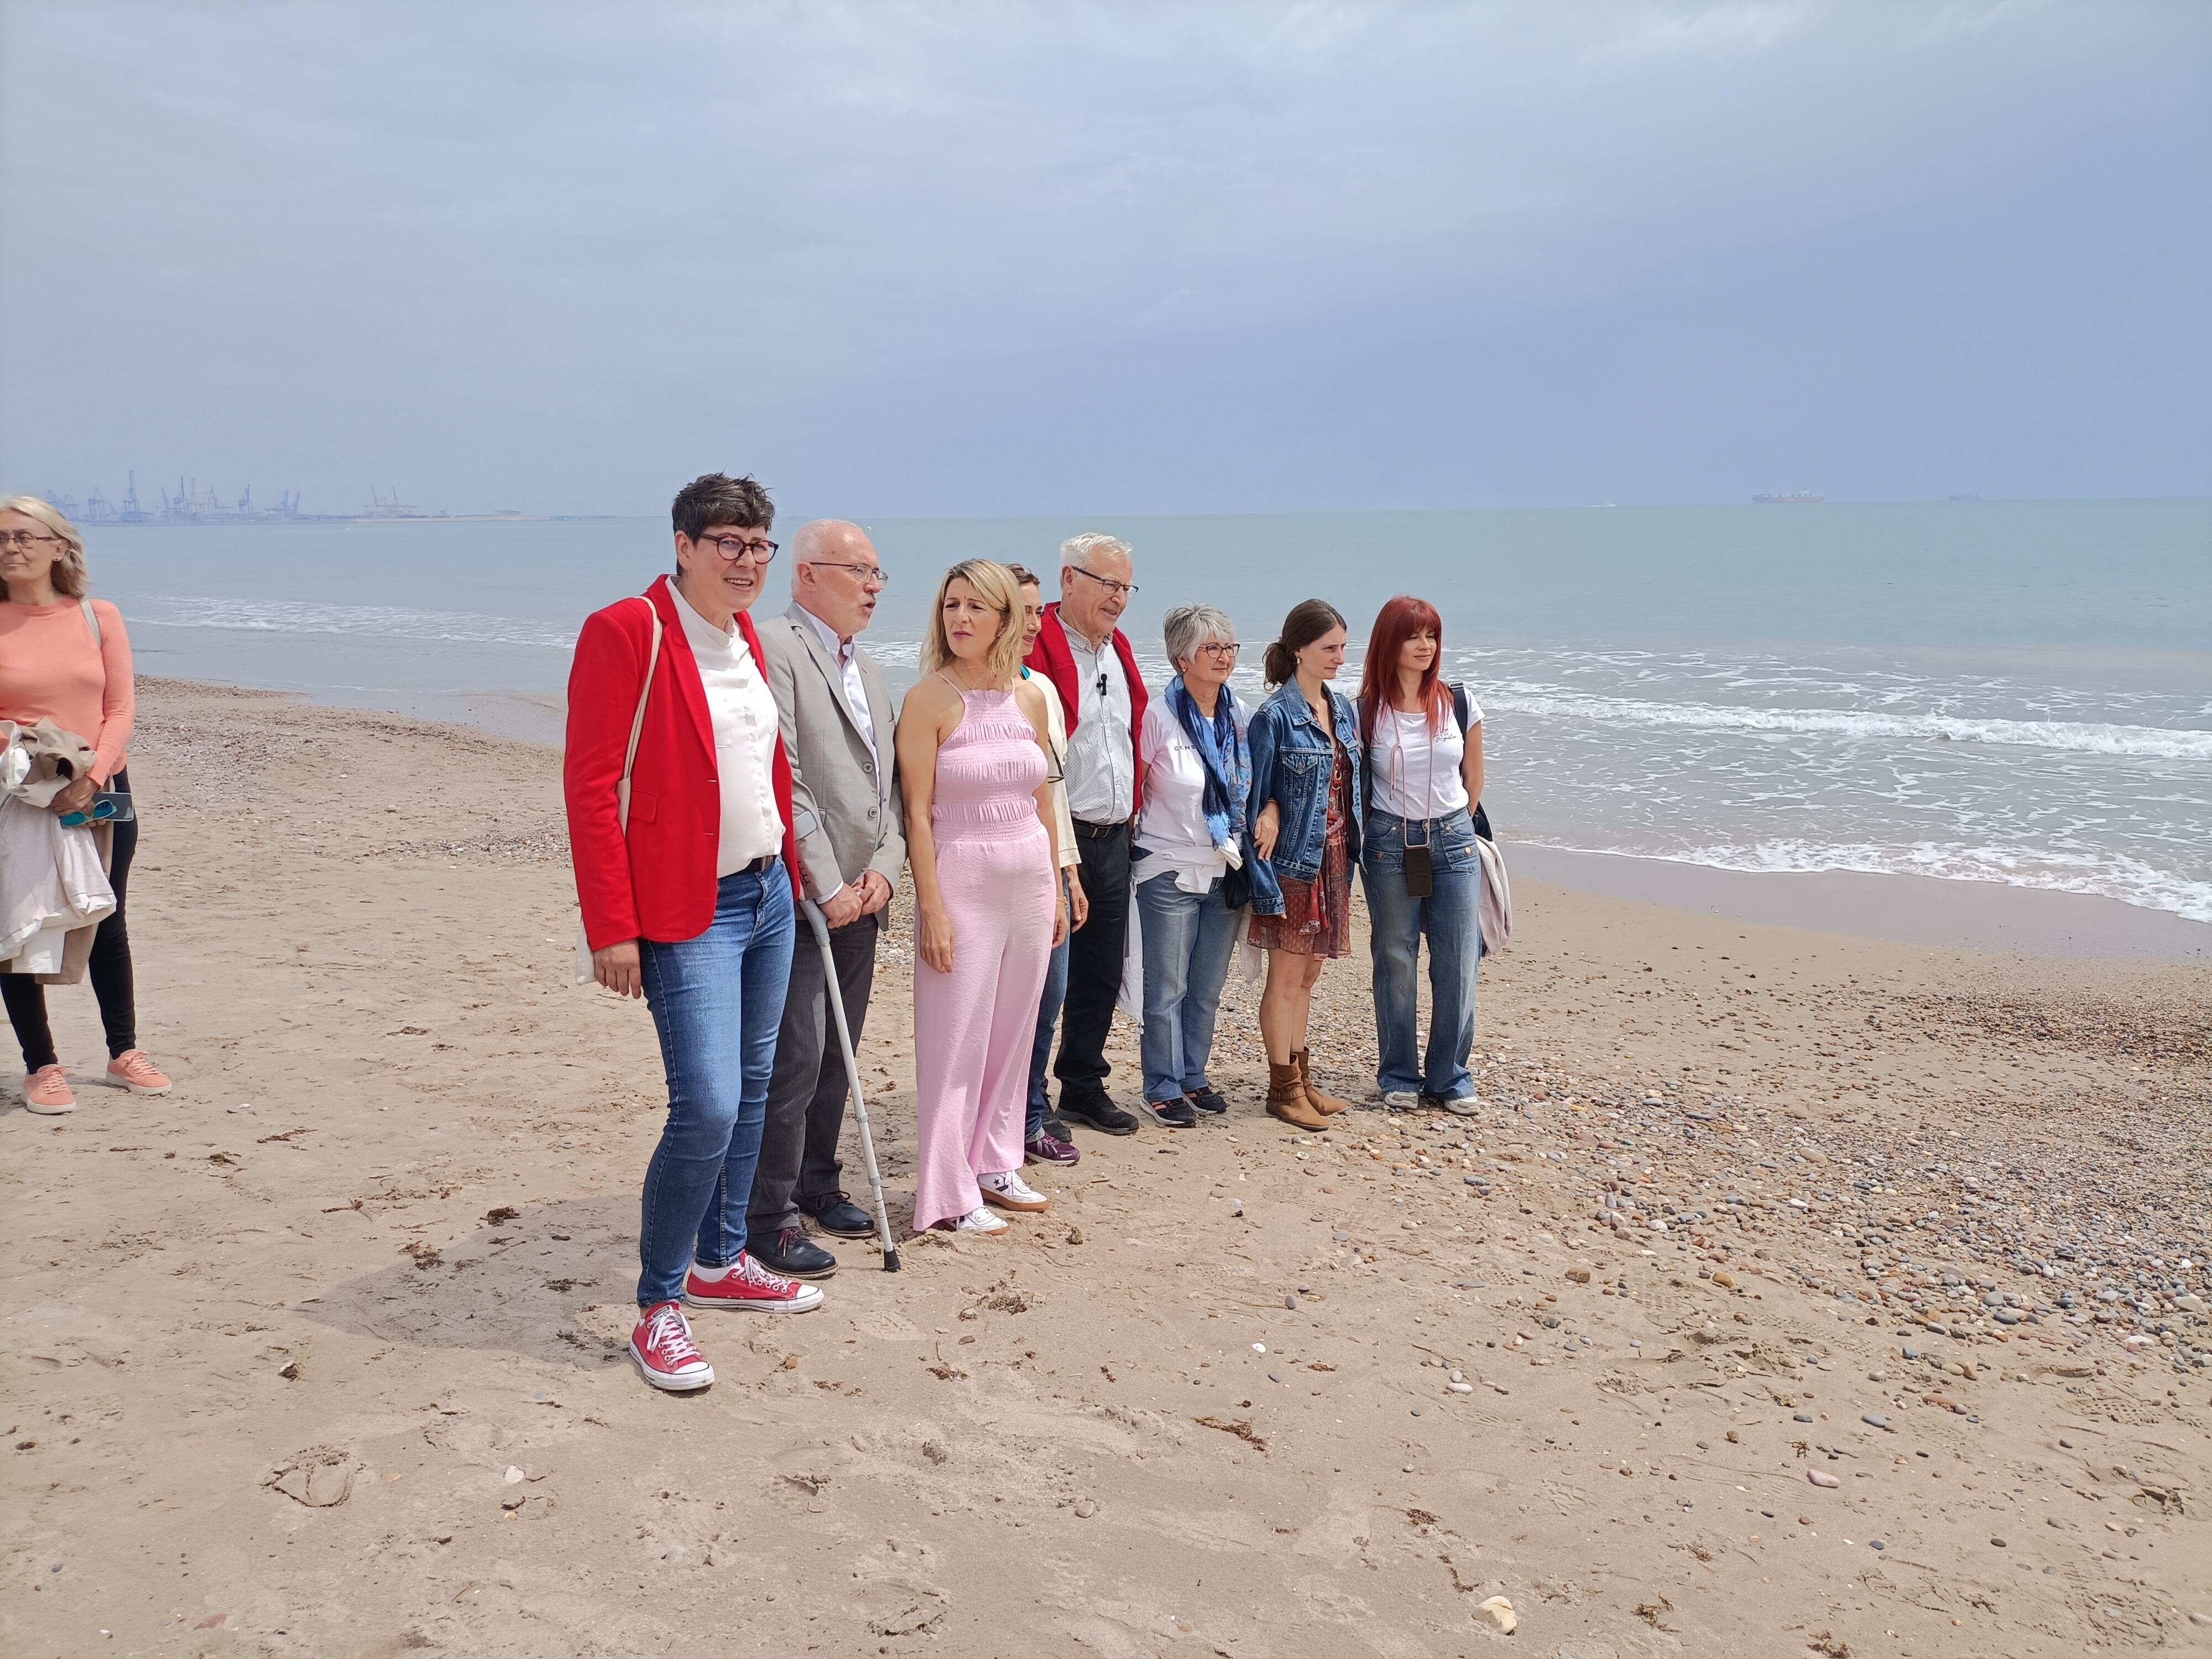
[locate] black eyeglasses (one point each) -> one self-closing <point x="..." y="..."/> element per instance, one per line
<point x="1107" y="582"/>
<point x="24" y="538"/>
<point x="734" y="548"/>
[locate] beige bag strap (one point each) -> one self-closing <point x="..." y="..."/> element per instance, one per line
<point x="90" y="620"/>
<point x="637" y="720"/>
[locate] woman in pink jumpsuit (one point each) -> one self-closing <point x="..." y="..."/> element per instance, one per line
<point x="974" y="763"/>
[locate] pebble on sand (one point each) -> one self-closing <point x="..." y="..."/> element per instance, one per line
<point x="1822" y="1478"/>
<point x="1497" y="1613"/>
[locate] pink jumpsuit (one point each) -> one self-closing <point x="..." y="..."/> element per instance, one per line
<point x="973" y="1027"/>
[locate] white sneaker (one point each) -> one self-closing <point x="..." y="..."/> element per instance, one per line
<point x="1010" y="1191"/>
<point x="1401" y="1100"/>
<point x="976" y="1221"/>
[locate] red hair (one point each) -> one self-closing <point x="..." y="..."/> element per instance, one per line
<point x="1396" y="622"/>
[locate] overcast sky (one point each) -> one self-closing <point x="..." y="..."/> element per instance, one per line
<point x="983" y="259"/>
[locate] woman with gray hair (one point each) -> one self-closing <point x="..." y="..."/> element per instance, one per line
<point x="1190" y="851"/>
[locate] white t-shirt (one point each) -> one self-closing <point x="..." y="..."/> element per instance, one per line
<point x="743" y="710"/>
<point x="1415" y="771"/>
<point x="1175" y="783"/>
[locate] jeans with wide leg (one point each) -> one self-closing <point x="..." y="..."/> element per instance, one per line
<point x="1188" y="940"/>
<point x="717" y="1000"/>
<point x="1056" y="992"/>
<point x="1451" y="918"/>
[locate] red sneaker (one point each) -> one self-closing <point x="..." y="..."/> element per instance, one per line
<point x="747" y="1285"/>
<point x="662" y="1347"/>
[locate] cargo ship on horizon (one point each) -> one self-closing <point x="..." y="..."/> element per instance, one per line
<point x="1792" y="498"/>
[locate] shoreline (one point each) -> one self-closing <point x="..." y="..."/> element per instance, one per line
<point x="1902" y="908"/>
<point x="324" y="1352"/>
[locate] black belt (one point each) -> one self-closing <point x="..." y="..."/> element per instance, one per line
<point x="757" y="867"/>
<point x="1090" y="831"/>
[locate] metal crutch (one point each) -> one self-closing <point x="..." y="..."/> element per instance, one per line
<point x="836" y="1000"/>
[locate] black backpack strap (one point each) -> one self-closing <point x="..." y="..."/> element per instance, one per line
<point x="1458" y="705"/>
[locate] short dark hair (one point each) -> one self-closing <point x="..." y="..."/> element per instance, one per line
<point x="713" y="498"/>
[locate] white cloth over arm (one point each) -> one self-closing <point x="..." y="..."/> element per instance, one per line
<point x="51" y="882"/>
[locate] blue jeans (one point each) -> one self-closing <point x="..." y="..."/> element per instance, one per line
<point x="1452" y="918"/>
<point x="1188" y="940"/>
<point x="717" y="1000"/>
<point x="1055" y="993"/>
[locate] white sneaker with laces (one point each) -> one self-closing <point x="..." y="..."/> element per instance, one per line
<point x="1010" y="1191"/>
<point x="976" y="1221"/>
<point x="1401" y="1100"/>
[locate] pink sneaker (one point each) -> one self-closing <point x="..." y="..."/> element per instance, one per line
<point x="747" y="1285"/>
<point x="136" y="1073"/>
<point x="661" y="1344"/>
<point x="46" y="1092"/>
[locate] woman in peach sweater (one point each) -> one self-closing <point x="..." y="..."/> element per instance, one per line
<point x="66" y="658"/>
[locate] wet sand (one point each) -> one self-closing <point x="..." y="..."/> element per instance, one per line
<point x="322" y="1354"/>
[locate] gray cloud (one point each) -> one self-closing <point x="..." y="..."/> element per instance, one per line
<point x="997" y="257"/>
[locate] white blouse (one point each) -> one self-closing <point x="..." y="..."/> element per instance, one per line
<point x="743" y="711"/>
<point x="1416" y="771"/>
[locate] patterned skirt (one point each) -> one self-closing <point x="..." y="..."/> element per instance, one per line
<point x="1316" y="919"/>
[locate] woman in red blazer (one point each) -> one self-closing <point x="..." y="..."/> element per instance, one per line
<point x="690" y="905"/>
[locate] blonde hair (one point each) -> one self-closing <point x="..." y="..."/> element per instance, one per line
<point x="1003" y="594"/>
<point x="68" y="577"/>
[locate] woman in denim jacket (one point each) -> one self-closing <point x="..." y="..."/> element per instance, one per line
<point x="1305" y="817"/>
<point x="1419" y="861"/>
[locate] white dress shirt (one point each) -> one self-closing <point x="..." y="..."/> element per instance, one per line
<point x="743" y="711"/>
<point x="848" y="669"/>
<point x="1417" y="771"/>
<point x="1102" y="755"/>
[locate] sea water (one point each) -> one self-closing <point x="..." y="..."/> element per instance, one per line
<point x="2006" y="692"/>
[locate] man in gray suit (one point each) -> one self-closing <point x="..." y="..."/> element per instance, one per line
<point x="837" y="718"/>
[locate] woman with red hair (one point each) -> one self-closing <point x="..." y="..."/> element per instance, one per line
<point x="1422" y="740"/>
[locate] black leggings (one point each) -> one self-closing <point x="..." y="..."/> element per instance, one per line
<point x="109" y="969"/>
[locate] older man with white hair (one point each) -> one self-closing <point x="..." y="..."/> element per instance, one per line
<point x="836" y="715"/>
<point x="1087" y="658"/>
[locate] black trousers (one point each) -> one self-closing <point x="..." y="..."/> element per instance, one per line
<point x="109" y="969"/>
<point x="806" y="1092"/>
<point x="1094" y="962"/>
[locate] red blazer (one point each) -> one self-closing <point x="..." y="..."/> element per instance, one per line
<point x="1051" y="658"/>
<point x="658" y="883"/>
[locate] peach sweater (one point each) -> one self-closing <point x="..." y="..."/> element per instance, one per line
<point x="49" y="667"/>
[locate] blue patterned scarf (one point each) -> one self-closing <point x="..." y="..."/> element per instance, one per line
<point x="1223" y="755"/>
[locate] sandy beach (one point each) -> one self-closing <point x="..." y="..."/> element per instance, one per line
<point x="1763" y="1310"/>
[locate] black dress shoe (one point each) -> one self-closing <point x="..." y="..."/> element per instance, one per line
<point x="834" y="1212"/>
<point x="793" y="1254"/>
<point x="1095" y="1110"/>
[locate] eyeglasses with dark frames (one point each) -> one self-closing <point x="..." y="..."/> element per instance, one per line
<point x="25" y="539"/>
<point x="734" y="548"/>
<point x="1107" y="582"/>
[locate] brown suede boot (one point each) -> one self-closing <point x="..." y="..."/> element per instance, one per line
<point x="1327" y="1105"/>
<point x="1286" y="1098"/>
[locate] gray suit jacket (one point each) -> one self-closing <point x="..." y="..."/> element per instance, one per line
<point x="850" y="818"/>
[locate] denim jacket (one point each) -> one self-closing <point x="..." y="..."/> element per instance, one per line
<point x="1290" y="767"/>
